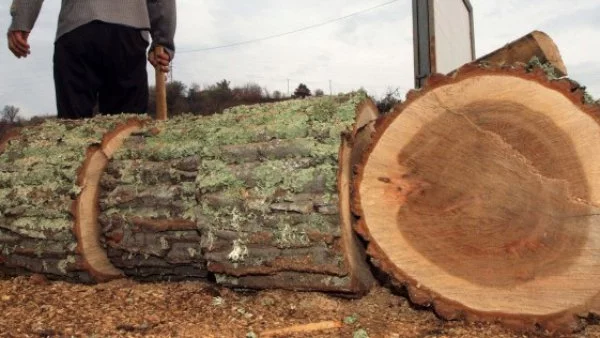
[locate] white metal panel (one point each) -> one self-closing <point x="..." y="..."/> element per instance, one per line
<point x="452" y="35"/>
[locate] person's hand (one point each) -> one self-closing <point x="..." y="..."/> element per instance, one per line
<point x="17" y="43"/>
<point x="160" y="60"/>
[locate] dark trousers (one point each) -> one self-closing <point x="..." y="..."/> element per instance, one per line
<point x="100" y="63"/>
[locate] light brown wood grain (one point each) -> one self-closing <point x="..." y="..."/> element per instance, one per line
<point x="481" y="195"/>
<point x="85" y="208"/>
<point x="161" y="89"/>
<point x="301" y="329"/>
<point x="536" y="43"/>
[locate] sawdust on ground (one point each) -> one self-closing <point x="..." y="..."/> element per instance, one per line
<point x="34" y="307"/>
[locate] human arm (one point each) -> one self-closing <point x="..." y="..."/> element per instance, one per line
<point x="24" y="13"/>
<point x="163" y="22"/>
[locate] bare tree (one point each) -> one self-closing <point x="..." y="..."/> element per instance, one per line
<point x="10" y="114"/>
<point x="389" y="100"/>
<point x="250" y="93"/>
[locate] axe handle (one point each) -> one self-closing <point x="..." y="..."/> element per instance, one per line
<point x="161" y="89"/>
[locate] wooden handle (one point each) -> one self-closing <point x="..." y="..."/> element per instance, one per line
<point x="161" y="89"/>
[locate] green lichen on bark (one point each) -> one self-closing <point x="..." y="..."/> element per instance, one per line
<point x="43" y="228"/>
<point x="251" y="171"/>
<point x="41" y="165"/>
<point x="550" y="72"/>
<point x="315" y="123"/>
<point x="547" y="67"/>
<point x="188" y="135"/>
<point x="38" y="184"/>
<point x="215" y="175"/>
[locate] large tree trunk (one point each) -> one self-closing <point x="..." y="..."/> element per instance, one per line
<point x="251" y="197"/>
<point x="481" y="195"/>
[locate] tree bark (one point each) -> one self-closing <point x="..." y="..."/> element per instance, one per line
<point x="250" y="198"/>
<point x="38" y="189"/>
<point x="535" y="44"/>
<point x="480" y="194"/>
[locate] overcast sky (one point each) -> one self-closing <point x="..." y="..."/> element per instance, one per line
<point x="373" y="50"/>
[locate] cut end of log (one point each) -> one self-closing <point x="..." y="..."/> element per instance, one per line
<point x="359" y="142"/>
<point x="86" y="228"/>
<point x="354" y="251"/>
<point x="366" y="113"/>
<point x="535" y="44"/>
<point x="480" y="194"/>
<point x="113" y="140"/>
<point x="551" y="52"/>
<point x="86" y="212"/>
<point x="364" y="128"/>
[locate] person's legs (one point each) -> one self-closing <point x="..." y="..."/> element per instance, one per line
<point x="76" y="72"/>
<point x="125" y="80"/>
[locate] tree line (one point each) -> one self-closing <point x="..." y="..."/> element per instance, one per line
<point x="204" y="101"/>
<point x="220" y="96"/>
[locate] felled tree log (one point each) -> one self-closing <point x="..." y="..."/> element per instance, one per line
<point x="250" y="197"/>
<point x="481" y="195"/>
<point x="535" y="44"/>
<point x="38" y="186"/>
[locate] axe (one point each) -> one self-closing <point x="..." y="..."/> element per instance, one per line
<point x="161" y="89"/>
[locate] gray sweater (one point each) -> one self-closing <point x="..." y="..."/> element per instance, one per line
<point x="156" y="16"/>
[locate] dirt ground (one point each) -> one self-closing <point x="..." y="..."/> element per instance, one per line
<point x="34" y="307"/>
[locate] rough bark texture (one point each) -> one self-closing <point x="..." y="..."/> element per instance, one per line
<point x="38" y="186"/>
<point x="249" y="196"/>
<point x="480" y="194"/>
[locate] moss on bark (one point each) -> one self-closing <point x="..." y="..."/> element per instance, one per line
<point x="38" y="184"/>
<point x="257" y="181"/>
<point x="248" y="193"/>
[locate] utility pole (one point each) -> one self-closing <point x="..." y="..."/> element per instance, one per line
<point x="330" y="89"/>
<point x="288" y="87"/>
